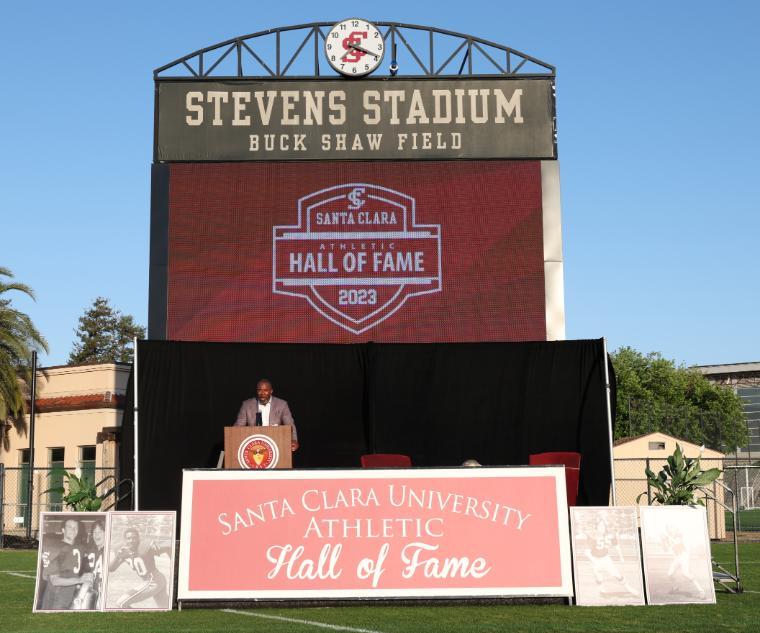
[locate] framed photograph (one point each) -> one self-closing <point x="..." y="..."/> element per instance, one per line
<point x="140" y="572"/>
<point x="677" y="564"/>
<point x="606" y="556"/>
<point x="71" y="561"/>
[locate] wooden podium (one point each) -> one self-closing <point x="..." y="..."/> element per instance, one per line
<point x="257" y="447"/>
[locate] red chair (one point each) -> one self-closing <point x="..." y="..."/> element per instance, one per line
<point x="572" y="463"/>
<point x="572" y="476"/>
<point x="386" y="460"/>
<point x="568" y="458"/>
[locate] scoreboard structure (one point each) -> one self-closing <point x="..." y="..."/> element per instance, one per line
<point x="356" y="181"/>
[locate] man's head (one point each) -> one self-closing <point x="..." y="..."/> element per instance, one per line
<point x="70" y="530"/>
<point x="263" y="390"/>
<point x="98" y="534"/>
<point x="131" y="538"/>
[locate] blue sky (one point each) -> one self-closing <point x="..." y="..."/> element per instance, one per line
<point x="657" y="107"/>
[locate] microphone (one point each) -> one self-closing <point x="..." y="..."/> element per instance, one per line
<point x="259" y="420"/>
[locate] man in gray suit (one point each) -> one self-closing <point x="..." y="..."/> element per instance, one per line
<point x="272" y="411"/>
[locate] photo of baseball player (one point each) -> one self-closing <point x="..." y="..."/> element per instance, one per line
<point x="677" y="561"/>
<point x="141" y="561"/>
<point x="606" y="556"/>
<point x="68" y="577"/>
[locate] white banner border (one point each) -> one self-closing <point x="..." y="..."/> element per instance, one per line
<point x="189" y="477"/>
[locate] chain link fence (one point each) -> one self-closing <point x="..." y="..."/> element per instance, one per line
<point x="19" y="520"/>
<point x="632" y="489"/>
<point x="742" y="480"/>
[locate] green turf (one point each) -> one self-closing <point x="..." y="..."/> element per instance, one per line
<point x="732" y="613"/>
<point x="747" y="520"/>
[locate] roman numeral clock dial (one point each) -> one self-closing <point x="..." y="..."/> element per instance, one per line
<point x="354" y="47"/>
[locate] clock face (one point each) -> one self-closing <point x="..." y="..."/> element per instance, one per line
<point x="354" y="47"/>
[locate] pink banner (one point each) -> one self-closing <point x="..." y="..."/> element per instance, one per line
<point x="381" y="533"/>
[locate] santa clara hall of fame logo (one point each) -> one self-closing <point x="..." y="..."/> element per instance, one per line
<point x="356" y="255"/>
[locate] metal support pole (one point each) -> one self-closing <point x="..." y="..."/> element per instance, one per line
<point x="2" y="506"/>
<point x="649" y="486"/>
<point x="609" y="420"/>
<point x="136" y="446"/>
<point x="30" y="481"/>
<point x="735" y="517"/>
<point x="749" y="443"/>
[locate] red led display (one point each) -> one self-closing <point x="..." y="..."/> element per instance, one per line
<point x="343" y="252"/>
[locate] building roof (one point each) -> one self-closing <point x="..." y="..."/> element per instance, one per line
<point x="81" y="387"/>
<point x="83" y="402"/>
<point x="83" y="365"/>
<point x="730" y="368"/>
<point x="626" y="440"/>
<point x="685" y="445"/>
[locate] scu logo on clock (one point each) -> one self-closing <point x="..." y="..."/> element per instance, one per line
<point x="354" y="47"/>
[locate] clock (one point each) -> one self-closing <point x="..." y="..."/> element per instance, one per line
<point x="354" y="47"/>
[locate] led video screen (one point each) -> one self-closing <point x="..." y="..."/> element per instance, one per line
<point x="346" y="252"/>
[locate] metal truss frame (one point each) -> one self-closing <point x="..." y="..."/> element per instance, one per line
<point x="419" y="46"/>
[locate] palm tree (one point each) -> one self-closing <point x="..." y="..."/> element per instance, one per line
<point x="18" y="338"/>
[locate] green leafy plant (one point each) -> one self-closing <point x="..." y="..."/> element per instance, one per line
<point x="80" y="494"/>
<point x="677" y="483"/>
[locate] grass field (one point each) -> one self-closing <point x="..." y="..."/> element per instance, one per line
<point x="732" y="613"/>
<point x="748" y="520"/>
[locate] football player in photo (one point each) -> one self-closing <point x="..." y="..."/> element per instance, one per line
<point x="66" y="572"/>
<point x="679" y="568"/>
<point x="89" y="596"/>
<point x="603" y="542"/>
<point x="141" y="559"/>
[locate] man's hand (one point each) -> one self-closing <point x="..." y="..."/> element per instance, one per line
<point x="293" y="446"/>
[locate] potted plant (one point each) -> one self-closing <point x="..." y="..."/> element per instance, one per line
<point x="679" y="480"/>
<point x="80" y="495"/>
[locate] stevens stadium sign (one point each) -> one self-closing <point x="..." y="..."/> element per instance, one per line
<point x="370" y="119"/>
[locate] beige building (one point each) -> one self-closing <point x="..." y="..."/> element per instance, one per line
<point x="633" y="455"/>
<point x="78" y="416"/>
<point x="744" y="379"/>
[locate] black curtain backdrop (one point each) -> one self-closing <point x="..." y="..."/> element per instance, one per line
<point x="439" y="403"/>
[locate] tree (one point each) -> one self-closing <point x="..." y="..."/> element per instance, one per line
<point x="655" y="394"/>
<point x="104" y="335"/>
<point x="18" y="339"/>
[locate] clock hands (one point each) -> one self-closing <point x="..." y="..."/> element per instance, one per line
<point x="363" y="50"/>
<point x="360" y="49"/>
